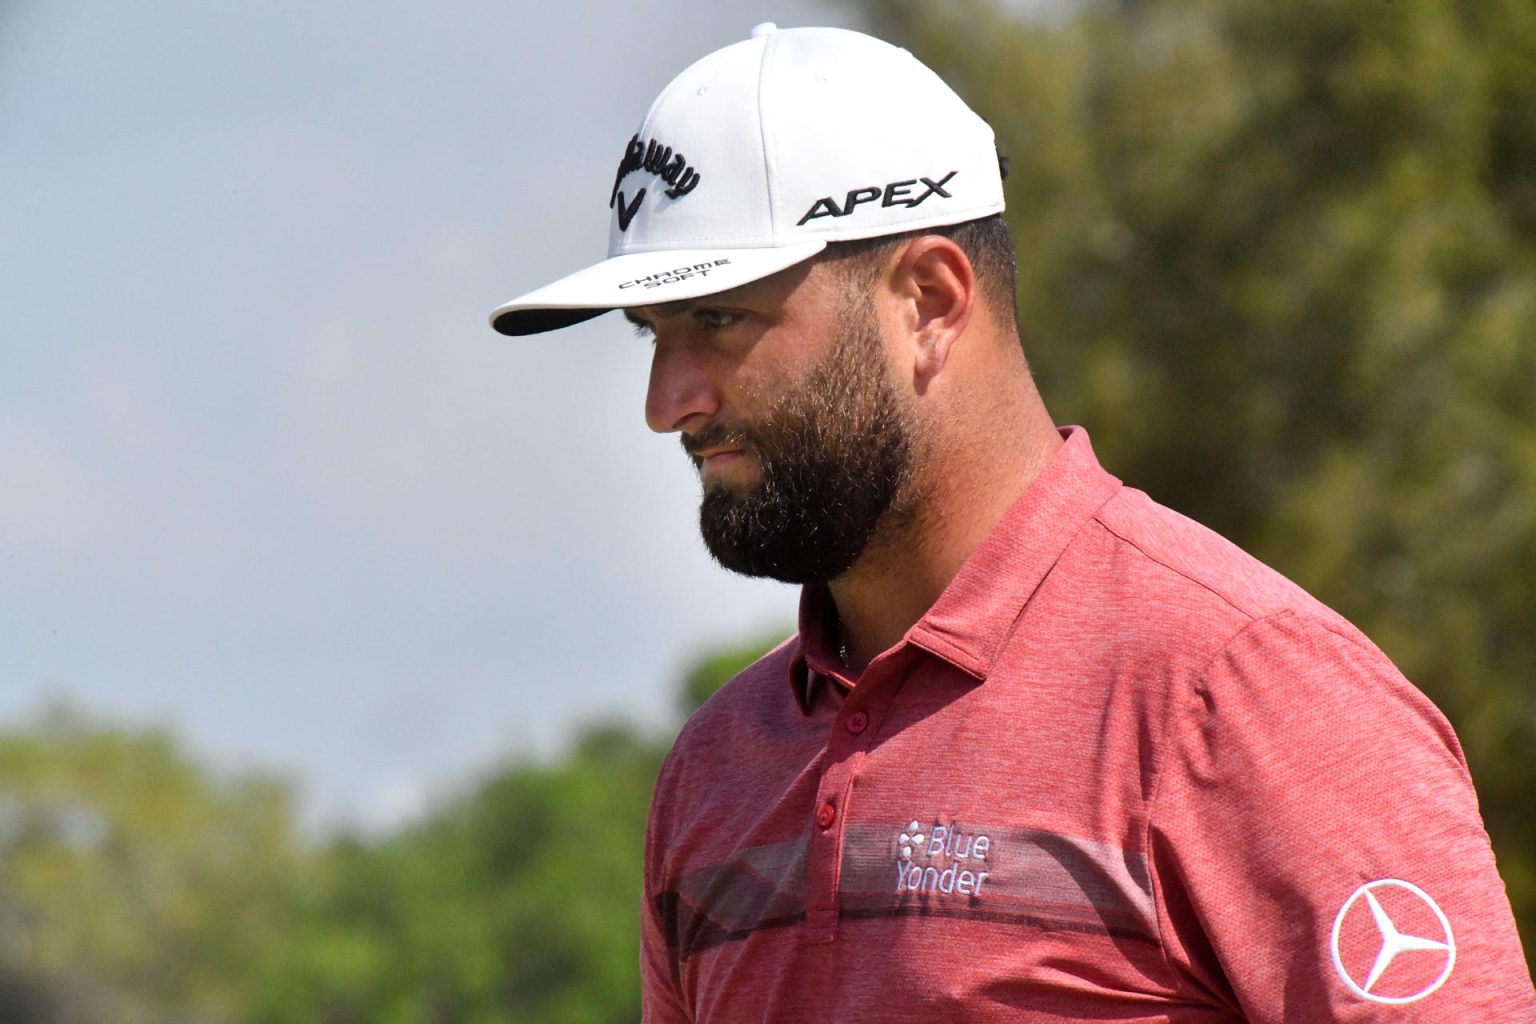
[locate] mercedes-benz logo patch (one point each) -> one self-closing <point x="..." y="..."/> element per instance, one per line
<point x="1392" y="943"/>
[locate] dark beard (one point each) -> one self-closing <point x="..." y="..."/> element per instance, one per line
<point x="834" y="459"/>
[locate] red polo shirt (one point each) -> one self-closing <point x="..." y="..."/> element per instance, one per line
<point x="1119" y="771"/>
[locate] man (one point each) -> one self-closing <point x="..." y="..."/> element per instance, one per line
<point x="1041" y="750"/>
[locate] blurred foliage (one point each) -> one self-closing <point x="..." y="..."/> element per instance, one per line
<point x="1280" y="258"/>
<point x="514" y="903"/>
<point x="133" y="887"/>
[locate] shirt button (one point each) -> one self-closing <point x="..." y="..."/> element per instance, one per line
<point x="857" y="722"/>
<point x="826" y="815"/>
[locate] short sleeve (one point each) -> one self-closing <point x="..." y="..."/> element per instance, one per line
<point x="660" y="998"/>
<point x="1315" y="842"/>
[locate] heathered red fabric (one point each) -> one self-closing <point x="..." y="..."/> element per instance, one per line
<point x="1120" y="771"/>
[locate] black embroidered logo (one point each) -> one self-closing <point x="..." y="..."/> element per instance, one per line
<point x="653" y="157"/>
<point x="627" y="211"/>
<point x="897" y="193"/>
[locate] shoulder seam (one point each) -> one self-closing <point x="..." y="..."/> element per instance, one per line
<point x="1172" y="725"/>
<point x="1175" y="721"/>
<point x="1202" y="584"/>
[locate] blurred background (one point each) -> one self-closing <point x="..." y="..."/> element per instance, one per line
<point x="340" y="638"/>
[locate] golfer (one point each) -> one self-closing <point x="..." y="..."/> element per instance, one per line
<point x="1041" y="749"/>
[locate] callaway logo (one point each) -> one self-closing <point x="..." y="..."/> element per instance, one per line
<point x="897" y="193"/>
<point x="1391" y="943"/>
<point x="657" y="159"/>
<point x="945" y="860"/>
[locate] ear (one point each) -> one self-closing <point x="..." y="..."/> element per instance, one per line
<point x="936" y="280"/>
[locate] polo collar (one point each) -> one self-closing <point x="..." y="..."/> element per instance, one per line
<point x="974" y="616"/>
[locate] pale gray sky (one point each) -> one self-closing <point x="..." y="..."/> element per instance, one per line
<point x="270" y="479"/>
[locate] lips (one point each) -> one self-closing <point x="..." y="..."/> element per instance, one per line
<point x="715" y="447"/>
<point x="712" y="459"/>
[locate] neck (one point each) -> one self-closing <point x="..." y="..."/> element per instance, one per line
<point x="961" y="494"/>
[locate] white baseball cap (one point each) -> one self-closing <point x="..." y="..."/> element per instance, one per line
<point x="761" y="153"/>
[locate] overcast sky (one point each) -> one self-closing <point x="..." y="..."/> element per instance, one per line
<point x="269" y="478"/>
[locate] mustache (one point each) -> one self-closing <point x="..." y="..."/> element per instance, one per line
<point x="715" y="435"/>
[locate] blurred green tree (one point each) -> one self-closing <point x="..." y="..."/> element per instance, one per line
<point x="514" y="903"/>
<point x="1281" y="259"/>
<point x="517" y="902"/>
<point x="133" y="886"/>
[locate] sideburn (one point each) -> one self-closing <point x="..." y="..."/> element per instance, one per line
<point x="834" y="458"/>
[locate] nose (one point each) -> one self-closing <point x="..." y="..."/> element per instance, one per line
<point x="679" y="390"/>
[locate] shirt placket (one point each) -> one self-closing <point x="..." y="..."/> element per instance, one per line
<point x="853" y="730"/>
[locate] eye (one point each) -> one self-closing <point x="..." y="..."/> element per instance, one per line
<point x="716" y="319"/>
<point x="642" y="329"/>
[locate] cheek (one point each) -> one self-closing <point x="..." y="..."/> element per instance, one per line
<point x="752" y="392"/>
<point x="784" y="362"/>
<point x="900" y="361"/>
<point x="754" y="386"/>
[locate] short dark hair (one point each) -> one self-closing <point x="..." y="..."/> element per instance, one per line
<point x="987" y="242"/>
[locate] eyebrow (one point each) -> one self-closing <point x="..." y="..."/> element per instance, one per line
<point x="661" y="308"/>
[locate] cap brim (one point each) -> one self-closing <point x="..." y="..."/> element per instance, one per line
<point x="643" y="279"/>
